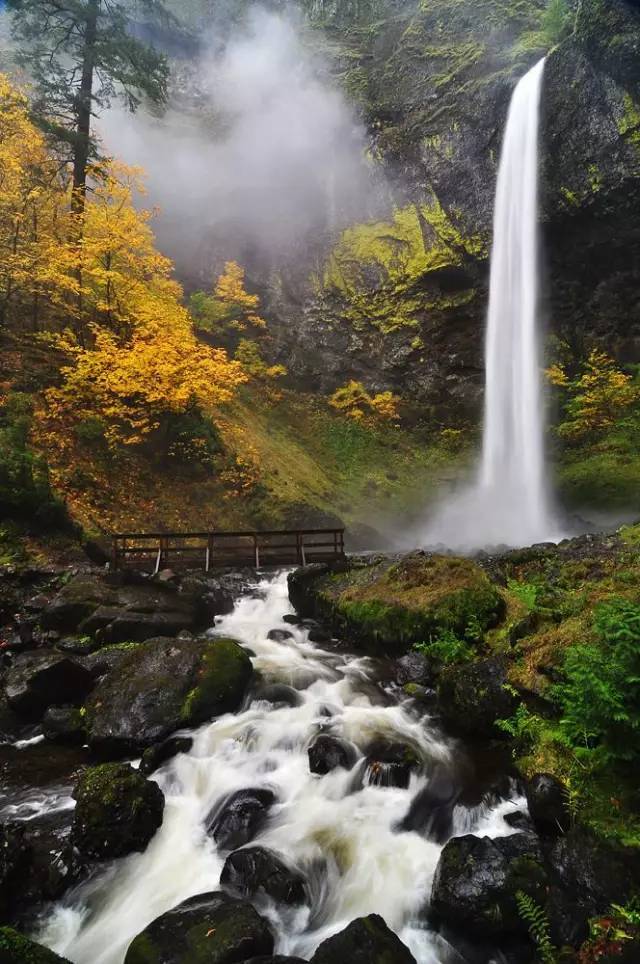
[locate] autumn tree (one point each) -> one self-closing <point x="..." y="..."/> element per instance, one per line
<point x="81" y="54"/>
<point x="229" y="310"/>
<point x="360" y="405"/>
<point x="595" y="399"/>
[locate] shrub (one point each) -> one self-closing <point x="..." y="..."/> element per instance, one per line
<point x="600" y="696"/>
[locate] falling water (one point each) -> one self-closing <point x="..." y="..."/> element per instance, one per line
<point x="509" y="502"/>
<point x="342" y="830"/>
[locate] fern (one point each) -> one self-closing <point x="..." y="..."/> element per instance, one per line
<point x="537" y="921"/>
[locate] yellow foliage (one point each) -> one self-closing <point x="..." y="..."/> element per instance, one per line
<point x="230" y="308"/>
<point x="355" y="401"/>
<point x="596" y="398"/>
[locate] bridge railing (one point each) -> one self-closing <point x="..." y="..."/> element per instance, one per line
<point x="278" y="547"/>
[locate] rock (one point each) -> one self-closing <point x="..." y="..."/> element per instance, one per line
<point x="389" y="604"/>
<point x="211" y="928"/>
<point x="431" y="810"/>
<point x="319" y="635"/>
<point x="76" y="601"/>
<point x="477" y="879"/>
<point x="64" y="724"/>
<point x="327" y="753"/>
<point x="240" y="817"/>
<point x="212" y="598"/>
<point x="547" y="800"/>
<point x="279" y="694"/>
<point x="78" y="645"/>
<point x="257" y="872"/>
<point x="49" y="866"/>
<point x="472" y="697"/>
<point x="588" y="875"/>
<point x="156" y="756"/>
<point x="366" y="940"/>
<point x="520" y="821"/>
<point x="279" y="635"/>
<point x="138" y="627"/>
<point x="15" y="857"/>
<point x="39" y="680"/>
<point x="161" y="686"/>
<point x="117" y="812"/>
<point x="292" y="619"/>
<point x="15" y="948"/>
<point x="391" y="764"/>
<point x="414" y="667"/>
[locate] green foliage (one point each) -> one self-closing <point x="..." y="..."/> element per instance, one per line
<point x="192" y="438"/>
<point x="524" y="727"/>
<point x="535" y="917"/>
<point x="526" y="592"/>
<point x="556" y="22"/>
<point x="25" y="491"/>
<point x="447" y="649"/>
<point x="600" y="696"/>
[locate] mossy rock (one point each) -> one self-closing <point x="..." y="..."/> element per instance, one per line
<point x="366" y="940"/>
<point x="159" y="686"/>
<point x="17" y="949"/>
<point x="208" y="929"/>
<point x="391" y="605"/>
<point x="117" y="811"/>
<point x="471" y="698"/>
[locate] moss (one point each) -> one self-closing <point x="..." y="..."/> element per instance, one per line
<point x="629" y="124"/>
<point x="143" y="951"/>
<point x="17" y="949"/>
<point x="223" y="676"/>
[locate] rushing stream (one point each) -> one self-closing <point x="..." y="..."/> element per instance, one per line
<point x="341" y="829"/>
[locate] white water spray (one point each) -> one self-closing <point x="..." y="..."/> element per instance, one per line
<point x="509" y="503"/>
<point x="340" y="830"/>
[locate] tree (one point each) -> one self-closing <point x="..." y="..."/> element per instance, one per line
<point x="595" y="399"/>
<point x="80" y="54"/>
<point x="230" y="310"/>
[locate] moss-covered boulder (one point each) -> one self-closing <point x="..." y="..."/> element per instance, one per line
<point x="366" y="940"/>
<point x="477" y="880"/>
<point x="208" y="929"/>
<point x="391" y="604"/>
<point x="117" y="813"/>
<point x="472" y="697"/>
<point x="15" y="948"/>
<point x="162" y="685"/>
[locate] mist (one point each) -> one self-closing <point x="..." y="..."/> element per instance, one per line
<point x="261" y="163"/>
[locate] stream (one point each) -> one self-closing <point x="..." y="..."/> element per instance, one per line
<point x="341" y="830"/>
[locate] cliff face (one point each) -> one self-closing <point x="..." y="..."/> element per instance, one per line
<point x="401" y="304"/>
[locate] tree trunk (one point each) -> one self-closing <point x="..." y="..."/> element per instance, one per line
<point x="83" y="109"/>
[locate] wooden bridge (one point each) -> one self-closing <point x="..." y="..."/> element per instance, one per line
<point x="209" y="550"/>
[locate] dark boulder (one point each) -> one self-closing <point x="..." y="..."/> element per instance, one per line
<point x="117" y="812"/>
<point x="279" y="635"/>
<point x="15" y="858"/>
<point x="588" y="875"/>
<point x="240" y="817"/>
<point x="161" y="686"/>
<point x="279" y="694"/>
<point x="211" y="597"/>
<point x="431" y="810"/>
<point x="64" y="724"/>
<point x="477" y="879"/>
<point x="327" y="753"/>
<point x="413" y="667"/>
<point x="157" y="756"/>
<point x="319" y="635"/>
<point x="472" y="697"/>
<point x="301" y="582"/>
<point x="366" y="940"/>
<point x="391" y="764"/>
<point x="137" y="627"/>
<point x="257" y="872"/>
<point x="211" y="928"/>
<point x="76" y="601"/>
<point x="47" y="866"/>
<point x="547" y="800"/>
<point x="15" y="948"/>
<point x="39" y="680"/>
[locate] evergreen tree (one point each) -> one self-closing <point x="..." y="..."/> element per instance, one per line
<point x="80" y="54"/>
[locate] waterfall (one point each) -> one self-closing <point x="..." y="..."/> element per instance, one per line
<point x="509" y="503"/>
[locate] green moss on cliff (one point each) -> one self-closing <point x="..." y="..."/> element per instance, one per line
<point x="17" y="949"/>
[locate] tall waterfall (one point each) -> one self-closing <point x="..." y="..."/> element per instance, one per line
<point x="509" y="503"/>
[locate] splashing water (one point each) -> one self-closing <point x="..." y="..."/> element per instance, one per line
<point x="509" y="503"/>
<point x="340" y="830"/>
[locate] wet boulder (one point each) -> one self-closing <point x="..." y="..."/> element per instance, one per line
<point x="15" y="948"/>
<point x="431" y="810"/>
<point x="76" y="601"/>
<point x="413" y="667"/>
<point x="157" y="756"/>
<point x="258" y="872"/>
<point x="328" y="752"/>
<point x="15" y="858"/>
<point x="547" y="800"/>
<point x="472" y="697"/>
<point x="37" y="681"/>
<point x="588" y="874"/>
<point x="240" y="817"/>
<point x="212" y="598"/>
<point x="477" y="879"/>
<point x="65" y="725"/>
<point x="212" y="927"/>
<point x="118" y="812"/>
<point x="391" y="764"/>
<point x="279" y="694"/>
<point x="366" y="940"/>
<point x="279" y="635"/>
<point x="161" y="686"/>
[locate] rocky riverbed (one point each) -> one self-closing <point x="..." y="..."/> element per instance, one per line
<point x="196" y="769"/>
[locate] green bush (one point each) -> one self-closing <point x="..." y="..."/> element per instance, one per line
<point x="447" y="649"/>
<point x="25" y="491"/>
<point x="600" y="696"/>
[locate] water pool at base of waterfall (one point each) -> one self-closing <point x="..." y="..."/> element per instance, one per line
<point x="340" y="830"/>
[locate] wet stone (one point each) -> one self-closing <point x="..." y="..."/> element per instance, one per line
<point x="240" y="817"/>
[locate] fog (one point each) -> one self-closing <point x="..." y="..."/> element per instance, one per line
<point x="272" y="159"/>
